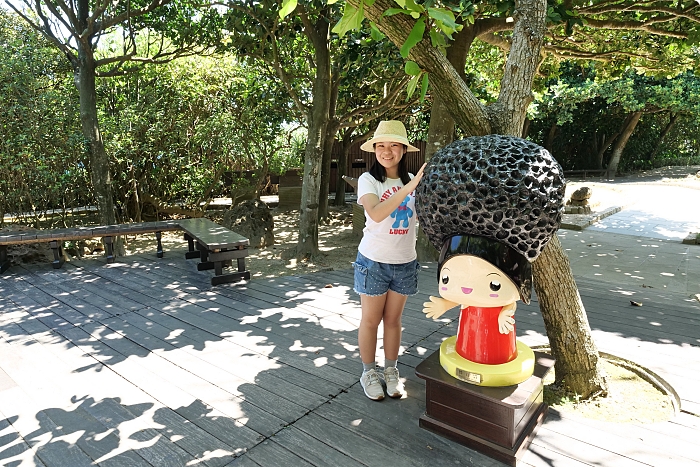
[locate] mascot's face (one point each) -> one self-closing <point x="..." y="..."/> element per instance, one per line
<point x="472" y="281"/>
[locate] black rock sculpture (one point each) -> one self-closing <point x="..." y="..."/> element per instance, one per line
<point x="499" y="187"/>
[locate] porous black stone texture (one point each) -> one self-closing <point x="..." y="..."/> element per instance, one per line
<point x="500" y="187"/>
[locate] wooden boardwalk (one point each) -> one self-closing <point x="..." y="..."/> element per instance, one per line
<point x="143" y="363"/>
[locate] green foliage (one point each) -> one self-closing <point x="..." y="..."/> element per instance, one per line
<point x="177" y="130"/>
<point x="42" y="153"/>
<point x="587" y="111"/>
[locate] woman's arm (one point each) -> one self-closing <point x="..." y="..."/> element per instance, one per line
<point x="379" y="210"/>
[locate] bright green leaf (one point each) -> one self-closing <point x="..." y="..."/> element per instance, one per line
<point x="447" y="30"/>
<point x="412" y="86"/>
<point x="424" y="87"/>
<point x="288" y="6"/>
<point x="413" y="6"/>
<point x="401" y="3"/>
<point x="414" y="37"/>
<point x="352" y="19"/>
<point x="377" y="35"/>
<point x="437" y="39"/>
<point x="412" y="68"/>
<point x="443" y="15"/>
<point x="393" y="11"/>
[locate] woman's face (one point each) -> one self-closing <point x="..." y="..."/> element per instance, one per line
<point x="472" y="281"/>
<point x="389" y="153"/>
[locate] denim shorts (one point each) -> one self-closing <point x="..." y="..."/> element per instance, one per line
<point x="375" y="279"/>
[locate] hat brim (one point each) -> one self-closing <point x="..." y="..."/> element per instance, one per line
<point x="368" y="146"/>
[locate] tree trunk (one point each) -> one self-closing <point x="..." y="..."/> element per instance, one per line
<point x="628" y="127"/>
<point x="551" y="134"/>
<point x="507" y="117"/>
<point x="317" y="119"/>
<point x="580" y="370"/>
<point x="331" y="130"/>
<point x="323" y="213"/>
<point x="441" y="131"/>
<point x="345" y="145"/>
<point x="604" y="145"/>
<point x="99" y="162"/>
<point x="673" y="118"/>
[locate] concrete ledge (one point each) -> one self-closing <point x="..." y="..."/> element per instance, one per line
<point x="581" y="221"/>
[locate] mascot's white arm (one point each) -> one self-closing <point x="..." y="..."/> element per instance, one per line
<point x="437" y="306"/>
<point x="506" y="321"/>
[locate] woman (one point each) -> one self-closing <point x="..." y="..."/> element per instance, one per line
<point x="386" y="268"/>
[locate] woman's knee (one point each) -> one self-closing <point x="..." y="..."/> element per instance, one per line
<point x="392" y="320"/>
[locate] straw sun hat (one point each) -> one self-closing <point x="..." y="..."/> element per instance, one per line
<point x="391" y="131"/>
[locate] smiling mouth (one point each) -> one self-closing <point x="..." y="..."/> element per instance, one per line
<point x="466" y="290"/>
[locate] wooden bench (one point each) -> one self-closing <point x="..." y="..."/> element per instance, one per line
<point x="215" y="244"/>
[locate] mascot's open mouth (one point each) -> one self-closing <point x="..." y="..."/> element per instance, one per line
<point x="466" y="290"/>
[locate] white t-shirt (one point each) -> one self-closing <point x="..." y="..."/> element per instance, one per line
<point x="392" y="241"/>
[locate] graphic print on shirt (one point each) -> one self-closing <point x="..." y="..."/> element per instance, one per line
<point x="401" y="215"/>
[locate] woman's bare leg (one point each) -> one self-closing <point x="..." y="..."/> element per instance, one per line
<point x="372" y="313"/>
<point x="393" y="309"/>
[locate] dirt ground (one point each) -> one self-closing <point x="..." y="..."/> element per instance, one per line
<point x="336" y="241"/>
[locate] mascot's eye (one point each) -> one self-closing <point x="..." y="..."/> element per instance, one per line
<point x="445" y="279"/>
<point x="495" y="286"/>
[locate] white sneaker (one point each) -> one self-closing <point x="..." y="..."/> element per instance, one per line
<point x="394" y="386"/>
<point x="372" y="385"/>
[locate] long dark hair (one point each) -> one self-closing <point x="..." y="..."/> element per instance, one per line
<point x="379" y="172"/>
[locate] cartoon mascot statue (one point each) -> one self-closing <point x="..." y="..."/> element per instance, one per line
<point x="489" y="204"/>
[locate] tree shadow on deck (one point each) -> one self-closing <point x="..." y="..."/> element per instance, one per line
<point x="214" y="372"/>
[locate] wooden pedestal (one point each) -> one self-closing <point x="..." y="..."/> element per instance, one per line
<point x="497" y="421"/>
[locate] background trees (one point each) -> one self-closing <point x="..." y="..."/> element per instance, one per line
<point x="42" y="155"/>
<point x="76" y="27"/>
<point x="589" y="123"/>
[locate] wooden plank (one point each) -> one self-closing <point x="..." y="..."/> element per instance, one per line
<point x="313" y="450"/>
<point x="567" y="439"/>
<point x="269" y="453"/>
<point x="149" y="443"/>
<point x="421" y="445"/>
<point x="86" y="298"/>
<point x="39" y="431"/>
<point x="225" y="325"/>
<point x="363" y="449"/>
<point x="164" y="382"/>
<point x="233" y="366"/>
<point x="45" y="308"/>
<point x="97" y="441"/>
<point x="13" y="449"/>
<point x="217" y="323"/>
<point x="657" y="438"/>
<point x="194" y="338"/>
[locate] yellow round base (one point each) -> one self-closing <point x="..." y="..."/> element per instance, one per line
<point x="505" y="374"/>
